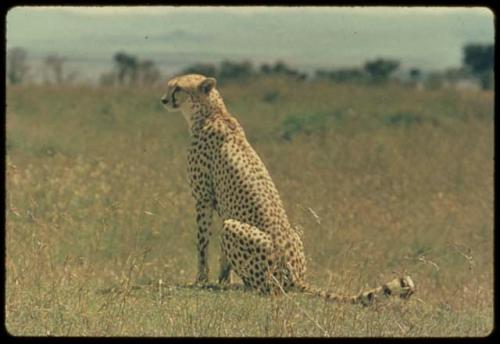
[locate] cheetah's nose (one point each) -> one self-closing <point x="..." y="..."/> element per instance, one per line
<point x="164" y="100"/>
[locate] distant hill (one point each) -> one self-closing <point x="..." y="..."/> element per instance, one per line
<point x="304" y="39"/>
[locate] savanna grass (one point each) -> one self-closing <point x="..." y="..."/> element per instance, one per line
<point x="100" y="230"/>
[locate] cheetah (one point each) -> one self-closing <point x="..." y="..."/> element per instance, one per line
<point x="227" y="176"/>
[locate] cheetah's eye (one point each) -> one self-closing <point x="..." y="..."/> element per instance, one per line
<point x="174" y="92"/>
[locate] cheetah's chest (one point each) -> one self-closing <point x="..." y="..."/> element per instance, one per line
<point x="229" y="173"/>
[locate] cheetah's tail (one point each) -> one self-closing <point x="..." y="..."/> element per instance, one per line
<point x="402" y="287"/>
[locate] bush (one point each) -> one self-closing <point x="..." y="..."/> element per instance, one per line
<point x="206" y="69"/>
<point x="380" y="69"/>
<point x="235" y="70"/>
<point x="342" y="75"/>
<point x="281" y="68"/>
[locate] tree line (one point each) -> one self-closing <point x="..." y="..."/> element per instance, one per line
<point x="477" y="63"/>
<point x="53" y="68"/>
<point x="230" y="70"/>
<point x="130" y="70"/>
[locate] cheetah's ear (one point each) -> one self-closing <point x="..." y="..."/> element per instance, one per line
<point x="207" y="85"/>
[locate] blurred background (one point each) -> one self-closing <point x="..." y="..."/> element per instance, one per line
<point x="428" y="47"/>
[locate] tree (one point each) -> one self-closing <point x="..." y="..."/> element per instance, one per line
<point x="342" y="75"/>
<point x="380" y="69"/>
<point x="126" y="66"/>
<point x="478" y="58"/>
<point x="129" y="70"/>
<point x="347" y="75"/>
<point x="54" y="64"/>
<point x="206" y="69"/>
<point x="17" y="68"/>
<point x="265" y="69"/>
<point x="415" y="74"/>
<point x="281" y="68"/>
<point x="235" y="70"/>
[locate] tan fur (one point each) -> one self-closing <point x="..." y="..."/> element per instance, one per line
<point x="227" y="176"/>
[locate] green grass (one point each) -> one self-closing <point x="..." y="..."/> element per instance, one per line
<point x="100" y="224"/>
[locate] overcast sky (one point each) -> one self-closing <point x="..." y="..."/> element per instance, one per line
<point x="306" y="37"/>
<point x="135" y="10"/>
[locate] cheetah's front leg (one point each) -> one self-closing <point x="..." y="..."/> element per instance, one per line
<point x="204" y="214"/>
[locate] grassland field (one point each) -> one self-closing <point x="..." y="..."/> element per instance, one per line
<point x="100" y="224"/>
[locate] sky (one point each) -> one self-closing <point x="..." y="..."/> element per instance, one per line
<point x="158" y="10"/>
<point x="305" y="37"/>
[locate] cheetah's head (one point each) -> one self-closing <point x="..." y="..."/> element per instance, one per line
<point x="184" y="93"/>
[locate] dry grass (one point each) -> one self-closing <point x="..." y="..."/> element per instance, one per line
<point x="100" y="227"/>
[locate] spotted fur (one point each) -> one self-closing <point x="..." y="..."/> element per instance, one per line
<point x="227" y="176"/>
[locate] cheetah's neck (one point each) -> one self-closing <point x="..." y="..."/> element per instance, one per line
<point x="197" y="114"/>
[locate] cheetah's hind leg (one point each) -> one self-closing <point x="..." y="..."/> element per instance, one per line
<point x="247" y="250"/>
